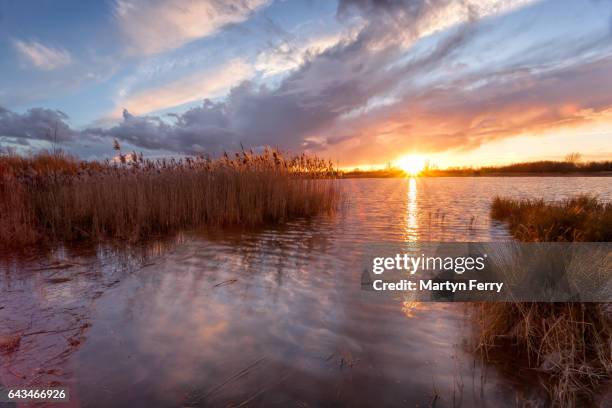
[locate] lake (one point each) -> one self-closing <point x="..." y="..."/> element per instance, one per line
<point x="271" y="317"/>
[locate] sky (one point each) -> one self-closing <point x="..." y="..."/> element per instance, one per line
<point x="361" y="82"/>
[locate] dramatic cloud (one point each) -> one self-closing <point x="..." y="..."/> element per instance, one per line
<point x="291" y="54"/>
<point x="42" y="56"/>
<point x="184" y="136"/>
<point x="35" y="124"/>
<point x="406" y="20"/>
<point x="481" y="108"/>
<point x="201" y="85"/>
<point x="152" y="26"/>
<point x="326" y="86"/>
<point x="382" y="88"/>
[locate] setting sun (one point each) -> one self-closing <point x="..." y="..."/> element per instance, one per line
<point x="411" y="164"/>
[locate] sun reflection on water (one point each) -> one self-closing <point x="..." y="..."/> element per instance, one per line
<point x="411" y="226"/>
<point x="411" y="221"/>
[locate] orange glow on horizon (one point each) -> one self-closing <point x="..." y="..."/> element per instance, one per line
<point x="412" y="164"/>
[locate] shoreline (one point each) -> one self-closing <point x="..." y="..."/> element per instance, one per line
<point x="552" y="174"/>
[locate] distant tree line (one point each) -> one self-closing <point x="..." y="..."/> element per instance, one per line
<point x="571" y="164"/>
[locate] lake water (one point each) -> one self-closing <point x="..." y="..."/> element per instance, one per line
<point x="273" y="317"/>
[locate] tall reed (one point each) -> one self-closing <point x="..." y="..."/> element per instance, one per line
<point x="57" y="197"/>
<point x="571" y="343"/>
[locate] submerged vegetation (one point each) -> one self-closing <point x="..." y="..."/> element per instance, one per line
<point x="55" y="197"/>
<point x="571" y="343"/>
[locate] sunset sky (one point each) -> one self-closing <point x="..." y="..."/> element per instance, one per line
<point x="362" y="82"/>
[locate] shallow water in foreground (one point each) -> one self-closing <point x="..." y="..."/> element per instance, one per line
<point x="270" y="317"/>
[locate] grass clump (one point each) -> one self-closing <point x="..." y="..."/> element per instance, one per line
<point x="55" y="197"/>
<point x="582" y="218"/>
<point x="571" y="343"/>
<point x="567" y="342"/>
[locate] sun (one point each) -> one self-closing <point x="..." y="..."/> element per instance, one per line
<point x="412" y="164"/>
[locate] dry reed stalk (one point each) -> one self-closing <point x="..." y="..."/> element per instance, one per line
<point x="570" y="342"/>
<point x="58" y="198"/>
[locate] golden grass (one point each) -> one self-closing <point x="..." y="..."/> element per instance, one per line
<point x="582" y="218"/>
<point x="54" y="197"/>
<point x="568" y="342"/>
<point x="571" y="343"/>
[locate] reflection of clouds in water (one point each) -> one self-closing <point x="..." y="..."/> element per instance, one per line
<point x="188" y="331"/>
<point x="47" y="296"/>
<point x="294" y="298"/>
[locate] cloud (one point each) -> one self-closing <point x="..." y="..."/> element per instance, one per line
<point x="42" y="56"/>
<point x="318" y="92"/>
<point x="370" y="94"/>
<point x="153" y="26"/>
<point x="479" y="108"/>
<point x="35" y="124"/>
<point x="307" y="101"/>
<point x="404" y="21"/>
<point x="203" y="129"/>
<point x="363" y="97"/>
<point x="201" y="85"/>
<point x="291" y="54"/>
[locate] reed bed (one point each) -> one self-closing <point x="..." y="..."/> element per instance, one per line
<point x="570" y="343"/>
<point x="582" y="218"/>
<point x="55" y="197"/>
